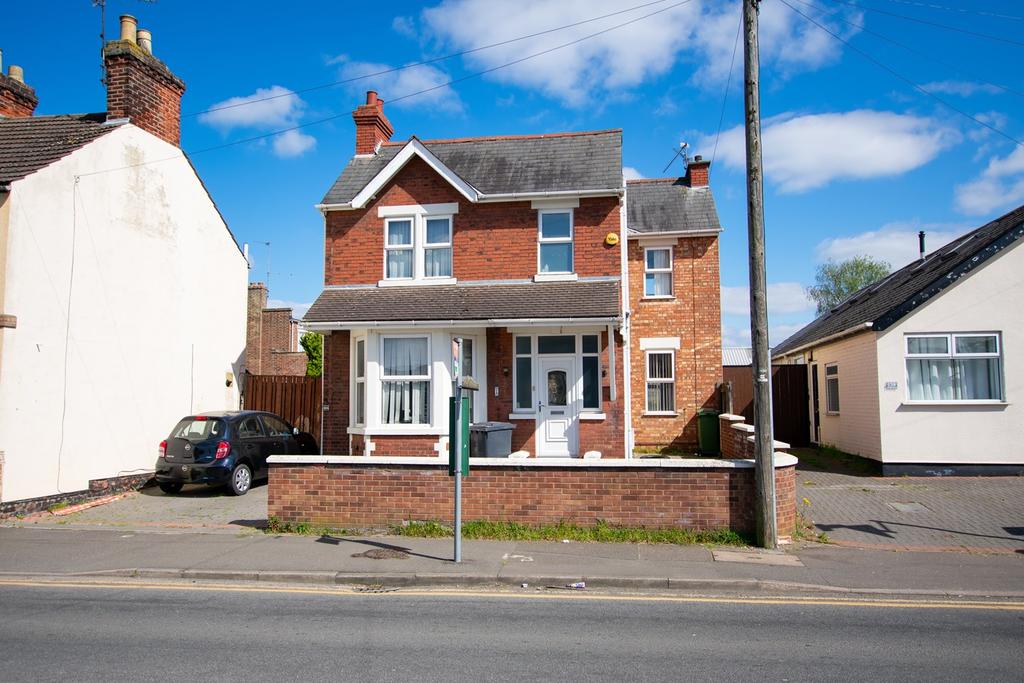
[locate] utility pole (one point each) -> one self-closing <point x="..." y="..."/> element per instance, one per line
<point x="764" y="460"/>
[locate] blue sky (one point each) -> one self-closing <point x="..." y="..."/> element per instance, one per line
<point x="857" y="161"/>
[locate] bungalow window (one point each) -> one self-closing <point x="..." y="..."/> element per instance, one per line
<point x="554" y="249"/>
<point x="832" y="389"/>
<point x="658" y="272"/>
<point x="418" y="248"/>
<point x="954" y="367"/>
<point x="661" y="382"/>
<point x="405" y="383"/>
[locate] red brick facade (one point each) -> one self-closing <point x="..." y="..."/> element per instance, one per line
<point x="369" y="495"/>
<point x="337" y="369"/>
<point x="140" y="87"/>
<point x="272" y="338"/>
<point x="693" y="316"/>
<point x="16" y="99"/>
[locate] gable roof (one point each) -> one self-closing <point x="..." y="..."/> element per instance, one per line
<point x="28" y="144"/>
<point x="502" y="301"/>
<point x="669" y="205"/>
<point x="528" y="164"/>
<point x="880" y="305"/>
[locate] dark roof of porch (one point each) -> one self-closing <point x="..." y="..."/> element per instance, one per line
<point x="528" y="300"/>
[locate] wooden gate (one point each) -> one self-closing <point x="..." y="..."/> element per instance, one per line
<point x="298" y="399"/>
<point x="791" y="418"/>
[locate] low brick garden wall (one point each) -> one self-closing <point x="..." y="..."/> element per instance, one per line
<point x="354" y="492"/>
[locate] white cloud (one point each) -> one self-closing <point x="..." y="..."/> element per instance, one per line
<point x="895" y="243"/>
<point x="256" y="111"/>
<point x="405" y="26"/>
<point x="962" y="88"/>
<point x="860" y="144"/>
<point x="783" y="298"/>
<point x="630" y="173"/>
<point x="397" y="84"/>
<point x="298" y="309"/>
<point x="1000" y="186"/>
<point x="293" y="143"/>
<point x="700" y="32"/>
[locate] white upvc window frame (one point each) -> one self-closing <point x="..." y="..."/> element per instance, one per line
<point x="648" y="380"/>
<point x="953" y="355"/>
<point x="828" y="379"/>
<point x="411" y="247"/>
<point x="660" y="271"/>
<point x="570" y="240"/>
<point x="428" y="378"/>
<point x="532" y="357"/>
<point x="419" y="215"/>
<point x="358" y="382"/>
<point x="421" y="254"/>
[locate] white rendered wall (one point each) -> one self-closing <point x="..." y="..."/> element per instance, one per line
<point x="989" y="300"/>
<point x="856" y="428"/>
<point x="157" y="314"/>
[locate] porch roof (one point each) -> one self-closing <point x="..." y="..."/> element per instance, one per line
<point x="582" y="301"/>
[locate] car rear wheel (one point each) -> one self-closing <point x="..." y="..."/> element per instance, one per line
<point x="170" y="486"/>
<point x="241" y="480"/>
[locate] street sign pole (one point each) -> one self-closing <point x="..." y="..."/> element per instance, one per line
<point x="456" y="444"/>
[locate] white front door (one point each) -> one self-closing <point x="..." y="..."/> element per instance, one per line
<point x="556" y="407"/>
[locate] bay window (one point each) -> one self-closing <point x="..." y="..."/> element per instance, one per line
<point x="555" y="246"/>
<point x="954" y="367"/>
<point x="360" y="382"/>
<point x="405" y="380"/>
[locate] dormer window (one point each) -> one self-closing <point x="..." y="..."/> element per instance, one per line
<point x="418" y="244"/>
<point x="554" y="249"/>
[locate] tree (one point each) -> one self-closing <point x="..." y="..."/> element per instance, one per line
<point x="835" y="281"/>
<point x="313" y="345"/>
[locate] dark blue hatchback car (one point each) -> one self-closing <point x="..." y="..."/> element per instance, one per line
<point x="226" y="448"/>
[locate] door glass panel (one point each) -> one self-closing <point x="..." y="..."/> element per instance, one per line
<point x="565" y="343"/>
<point x="556" y="388"/>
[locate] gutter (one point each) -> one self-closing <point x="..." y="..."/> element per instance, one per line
<point x="675" y="233"/>
<point x="506" y="197"/>
<point x="488" y="322"/>
<point x="862" y="327"/>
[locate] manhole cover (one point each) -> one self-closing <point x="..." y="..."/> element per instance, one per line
<point x="907" y="507"/>
<point x="383" y="554"/>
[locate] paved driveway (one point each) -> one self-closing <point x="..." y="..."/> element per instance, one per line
<point x="196" y="507"/>
<point x="918" y="513"/>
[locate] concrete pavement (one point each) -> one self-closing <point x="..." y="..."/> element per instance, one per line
<point x="398" y="561"/>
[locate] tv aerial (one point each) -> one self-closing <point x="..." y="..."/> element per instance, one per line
<point x="679" y="153"/>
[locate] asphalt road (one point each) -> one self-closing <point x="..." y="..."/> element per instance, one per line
<point x="160" y="633"/>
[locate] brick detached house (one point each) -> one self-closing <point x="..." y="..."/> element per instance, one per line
<point x="590" y="313"/>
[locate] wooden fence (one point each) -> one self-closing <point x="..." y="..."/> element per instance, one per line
<point x="298" y="400"/>
<point x="791" y="415"/>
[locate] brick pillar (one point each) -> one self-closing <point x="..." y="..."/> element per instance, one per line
<point x="254" y="328"/>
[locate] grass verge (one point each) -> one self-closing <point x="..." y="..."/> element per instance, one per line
<point x="602" y="532"/>
<point x="276" y="526"/>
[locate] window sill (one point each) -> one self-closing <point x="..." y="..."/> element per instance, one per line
<point x="829" y="413"/>
<point x="659" y="413"/>
<point x="593" y="416"/>
<point x="522" y="416"/>
<point x="660" y="297"/>
<point x="956" y="403"/>
<point x="555" y="277"/>
<point x="410" y="282"/>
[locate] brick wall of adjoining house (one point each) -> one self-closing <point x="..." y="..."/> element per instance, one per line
<point x="97" y="489"/>
<point x="606" y="436"/>
<point x="336" y="393"/>
<point x="694" y="317"/>
<point x="491" y="241"/>
<point x="16" y="99"/>
<point x="288" y="363"/>
<point x="413" y="445"/>
<point x="371" y="495"/>
<point x="272" y="337"/>
<point x="141" y="87"/>
<point x="257" y="301"/>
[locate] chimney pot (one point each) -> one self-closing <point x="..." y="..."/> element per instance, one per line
<point x="1" y="61"/>
<point x="698" y="158"/>
<point x="16" y="72"/>
<point x="380" y="104"/>
<point x="371" y="97"/>
<point x="372" y="126"/>
<point x="145" y="39"/>
<point x="920" y="243"/>
<point x="129" y="27"/>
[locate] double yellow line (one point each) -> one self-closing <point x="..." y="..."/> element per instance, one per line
<point x="343" y="592"/>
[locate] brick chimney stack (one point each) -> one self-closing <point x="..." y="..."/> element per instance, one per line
<point x="254" y="328"/>
<point x="372" y="127"/>
<point x="697" y="172"/>
<point x="17" y="100"/>
<point x="139" y="86"/>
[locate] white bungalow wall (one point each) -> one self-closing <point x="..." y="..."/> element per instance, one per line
<point x="157" y="314"/>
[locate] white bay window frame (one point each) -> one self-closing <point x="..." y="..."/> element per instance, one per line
<point x="428" y="378"/>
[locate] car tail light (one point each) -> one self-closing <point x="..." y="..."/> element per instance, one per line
<point x="223" y="450"/>
<point x="163" y="449"/>
<point x="199" y="418"/>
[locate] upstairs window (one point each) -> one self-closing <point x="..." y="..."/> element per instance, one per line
<point x="554" y="249"/>
<point x="658" y="272"/>
<point x="418" y="248"/>
<point x="954" y="367"/>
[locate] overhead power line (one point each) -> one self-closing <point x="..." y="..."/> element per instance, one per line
<point x="835" y="15"/>
<point x="728" y="82"/>
<point x="903" y="78"/>
<point x="926" y="22"/>
<point x="425" y="62"/>
<point x="453" y="81"/>
<point x="961" y="10"/>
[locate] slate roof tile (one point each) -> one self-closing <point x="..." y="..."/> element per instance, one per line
<point x="28" y="144"/>
<point x="669" y="205"/>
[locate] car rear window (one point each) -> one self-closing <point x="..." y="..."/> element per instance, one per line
<point x="198" y="429"/>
